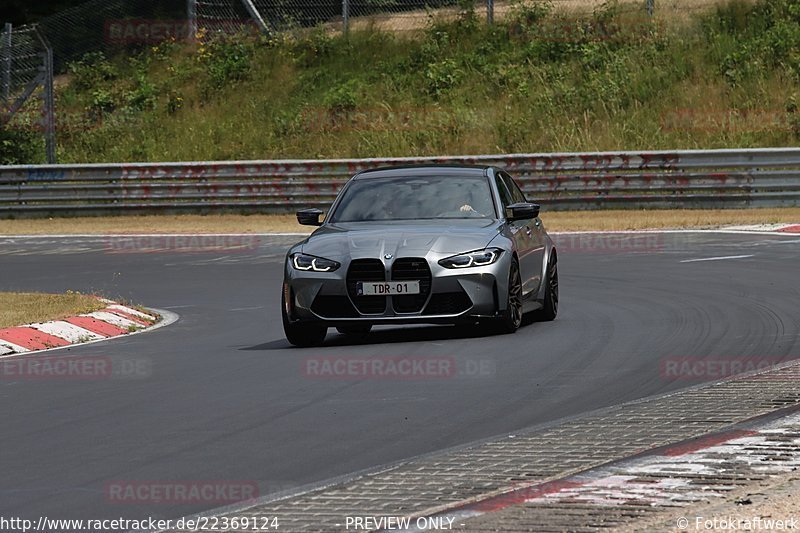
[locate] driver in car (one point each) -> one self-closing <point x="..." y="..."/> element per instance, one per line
<point x="484" y="208"/>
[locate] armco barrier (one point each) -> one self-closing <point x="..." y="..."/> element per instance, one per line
<point x="767" y="177"/>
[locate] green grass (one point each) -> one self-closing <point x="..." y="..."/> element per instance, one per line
<point x="18" y="308"/>
<point x="538" y="80"/>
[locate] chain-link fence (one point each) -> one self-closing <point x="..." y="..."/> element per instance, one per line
<point x="30" y="55"/>
<point x="26" y="63"/>
<point x="281" y="15"/>
<point x="388" y="15"/>
<point x="110" y="26"/>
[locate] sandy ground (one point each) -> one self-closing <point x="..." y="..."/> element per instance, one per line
<point x="554" y="221"/>
<point x="776" y="499"/>
<point x="418" y="20"/>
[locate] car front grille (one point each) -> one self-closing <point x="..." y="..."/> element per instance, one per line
<point x="366" y="270"/>
<point x="411" y="269"/>
<point x="448" y="303"/>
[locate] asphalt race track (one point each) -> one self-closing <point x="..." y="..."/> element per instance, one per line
<point x="224" y="397"/>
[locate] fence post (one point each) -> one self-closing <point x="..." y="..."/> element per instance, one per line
<point x="650" y="7"/>
<point x="345" y="16"/>
<point x="490" y="11"/>
<point x="256" y="16"/>
<point x="48" y="97"/>
<point x="191" y="16"/>
<point x="6" y="45"/>
<point x="49" y="108"/>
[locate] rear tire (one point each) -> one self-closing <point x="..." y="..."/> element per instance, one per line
<point x="511" y="319"/>
<point x="302" y="334"/>
<point x="549" y="308"/>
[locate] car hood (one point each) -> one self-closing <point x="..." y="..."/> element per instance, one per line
<point x="407" y="239"/>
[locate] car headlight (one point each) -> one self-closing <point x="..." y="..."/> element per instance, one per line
<point x="472" y="259"/>
<point x="314" y="264"/>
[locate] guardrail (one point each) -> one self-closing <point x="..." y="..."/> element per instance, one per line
<point x="767" y="177"/>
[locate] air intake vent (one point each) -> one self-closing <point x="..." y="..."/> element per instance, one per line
<point x="448" y="303"/>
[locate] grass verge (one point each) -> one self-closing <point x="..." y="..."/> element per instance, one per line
<point x="541" y="79"/>
<point x="18" y="308"/>
<point x="555" y="221"/>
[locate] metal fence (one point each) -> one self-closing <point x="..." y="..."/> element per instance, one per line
<point x="387" y="15"/>
<point x="31" y="55"/>
<point x="26" y="66"/>
<point x="110" y="26"/>
<point x="601" y="180"/>
<point x="336" y="15"/>
<point x="113" y="26"/>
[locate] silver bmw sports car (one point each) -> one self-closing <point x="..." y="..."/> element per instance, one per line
<point x="432" y="244"/>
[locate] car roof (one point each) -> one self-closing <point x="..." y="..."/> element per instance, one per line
<point x="423" y="170"/>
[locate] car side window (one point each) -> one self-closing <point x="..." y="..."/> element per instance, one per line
<point x="516" y="193"/>
<point x="505" y="196"/>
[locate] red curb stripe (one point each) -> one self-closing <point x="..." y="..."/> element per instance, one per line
<point x="32" y="339"/>
<point x="706" y="442"/>
<point x="790" y="229"/>
<point x="96" y="326"/>
<point x="519" y="496"/>
<point x="123" y="314"/>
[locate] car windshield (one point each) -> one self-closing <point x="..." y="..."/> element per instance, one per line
<point x="415" y="197"/>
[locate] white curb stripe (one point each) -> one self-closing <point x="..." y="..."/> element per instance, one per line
<point x="116" y="320"/>
<point x="167" y="318"/>
<point x="716" y="258"/>
<point x="11" y="347"/>
<point x="131" y="311"/>
<point x="68" y="332"/>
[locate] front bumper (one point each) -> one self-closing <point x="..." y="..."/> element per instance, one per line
<point x="451" y="296"/>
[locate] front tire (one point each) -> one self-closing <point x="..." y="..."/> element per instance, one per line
<point x="302" y="334"/>
<point x="549" y="308"/>
<point x="511" y="319"/>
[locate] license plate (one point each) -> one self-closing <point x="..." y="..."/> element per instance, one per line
<point x="386" y="288"/>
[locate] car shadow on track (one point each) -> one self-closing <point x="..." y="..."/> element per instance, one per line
<point x="388" y="336"/>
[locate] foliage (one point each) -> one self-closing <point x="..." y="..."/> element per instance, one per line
<point x="19" y="146"/>
<point x="91" y="70"/>
<point x="227" y="60"/>
<point x="539" y="79"/>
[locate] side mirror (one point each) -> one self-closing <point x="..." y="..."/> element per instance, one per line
<point x="309" y="217"/>
<point x="522" y="211"/>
